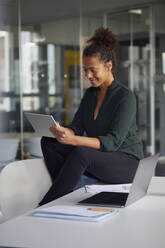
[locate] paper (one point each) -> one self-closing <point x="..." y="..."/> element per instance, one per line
<point x="75" y="213"/>
<point x="83" y="211"/>
<point x="97" y="188"/>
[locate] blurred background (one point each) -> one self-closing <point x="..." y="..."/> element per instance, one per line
<point x="41" y="45"/>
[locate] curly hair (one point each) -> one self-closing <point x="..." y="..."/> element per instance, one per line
<point x="103" y="43"/>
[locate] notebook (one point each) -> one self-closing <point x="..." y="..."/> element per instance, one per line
<point x="80" y="213"/>
<point x="41" y="123"/>
<point x="139" y="187"/>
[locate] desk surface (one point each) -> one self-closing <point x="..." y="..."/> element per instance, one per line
<point x="141" y="224"/>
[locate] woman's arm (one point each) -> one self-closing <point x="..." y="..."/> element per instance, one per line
<point x="86" y="141"/>
<point x="124" y="120"/>
<point x="68" y="137"/>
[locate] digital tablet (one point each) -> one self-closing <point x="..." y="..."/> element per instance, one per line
<point x="41" y="123"/>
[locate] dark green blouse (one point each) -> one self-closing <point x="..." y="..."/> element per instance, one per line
<point x="115" y="125"/>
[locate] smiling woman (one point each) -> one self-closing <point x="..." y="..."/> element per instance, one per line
<point x="99" y="75"/>
<point x="107" y="113"/>
<point x="97" y="72"/>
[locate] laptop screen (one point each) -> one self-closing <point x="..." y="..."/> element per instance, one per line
<point x="107" y="198"/>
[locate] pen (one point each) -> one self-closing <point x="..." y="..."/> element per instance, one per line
<point x="101" y="209"/>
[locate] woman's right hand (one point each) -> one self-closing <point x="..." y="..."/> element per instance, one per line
<point x="57" y="130"/>
<point x="62" y="134"/>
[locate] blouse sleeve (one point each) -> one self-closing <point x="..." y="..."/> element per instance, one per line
<point x="121" y="123"/>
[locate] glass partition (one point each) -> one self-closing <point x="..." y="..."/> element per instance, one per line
<point x="159" y="11"/>
<point x="9" y="67"/>
<point x="51" y="69"/>
<point x="10" y="125"/>
<point x="89" y="23"/>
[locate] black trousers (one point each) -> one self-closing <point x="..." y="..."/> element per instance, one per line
<point x="66" y="164"/>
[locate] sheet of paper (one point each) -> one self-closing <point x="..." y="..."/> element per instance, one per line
<point x="75" y="210"/>
<point x="97" y="188"/>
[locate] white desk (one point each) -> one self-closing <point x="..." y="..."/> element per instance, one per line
<point x="141" y="225"/>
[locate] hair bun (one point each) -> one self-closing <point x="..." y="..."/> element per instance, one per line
<point x="104" y="37"/>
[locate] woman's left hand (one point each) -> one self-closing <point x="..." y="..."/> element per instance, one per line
<point x="62" y="134"/>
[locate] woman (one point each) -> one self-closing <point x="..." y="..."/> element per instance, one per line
<point x="107" y="113"/>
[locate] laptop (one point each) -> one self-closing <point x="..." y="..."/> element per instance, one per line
<point x="41" y="123"/>
<point x="139" y="187"/>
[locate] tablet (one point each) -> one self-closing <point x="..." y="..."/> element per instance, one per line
<point x="41" y="123"/>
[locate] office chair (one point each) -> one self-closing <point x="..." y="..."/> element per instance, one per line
<point x="8" y="151"/>
<point x="32" y="147"/>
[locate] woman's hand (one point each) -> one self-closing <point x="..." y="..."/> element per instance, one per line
<point x="62" y="134"/>
<point x="67" y="136"/>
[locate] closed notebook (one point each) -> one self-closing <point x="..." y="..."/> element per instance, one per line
<point x="75" y="213"/>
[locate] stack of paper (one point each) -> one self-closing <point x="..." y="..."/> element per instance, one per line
<point x="76" y="213"/>
<point x="97" y="188"/>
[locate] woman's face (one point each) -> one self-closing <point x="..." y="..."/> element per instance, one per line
<point x="97" y="71"/>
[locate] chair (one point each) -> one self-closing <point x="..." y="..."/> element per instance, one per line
<point x="8" y="150"/>
<point x="23" y="184"/>
<point x="32" y="147"/>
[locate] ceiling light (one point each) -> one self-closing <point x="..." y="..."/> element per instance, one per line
<point x="136" y="11"/>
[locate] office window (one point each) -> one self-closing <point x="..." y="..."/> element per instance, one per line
<point x="9" y="70"/>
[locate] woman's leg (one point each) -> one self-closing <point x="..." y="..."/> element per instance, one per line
<point x="109" y="167"/>
<point x="54" y="155"/>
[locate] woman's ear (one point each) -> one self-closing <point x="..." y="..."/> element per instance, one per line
<point x="109" y="65"/>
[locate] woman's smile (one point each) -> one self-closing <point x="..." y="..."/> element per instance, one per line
<point x="93" y="81"/>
